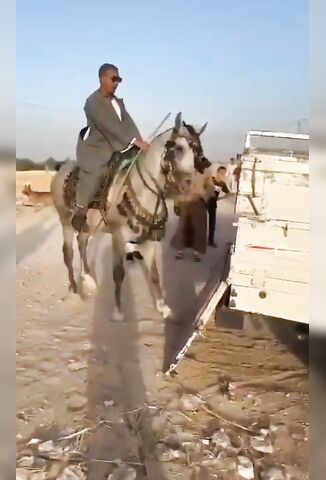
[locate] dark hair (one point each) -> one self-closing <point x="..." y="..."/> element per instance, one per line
<point x="105" y="68"/>
<point x="221" y="168"/>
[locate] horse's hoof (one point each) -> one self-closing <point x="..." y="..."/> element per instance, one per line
<point x="73" y="288"/>
<point x="118" y="316"/>
<point x="88" y="284"/>
<point x="164" y="309"/>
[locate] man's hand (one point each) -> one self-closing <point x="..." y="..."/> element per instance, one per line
<point x="141" y="144"/>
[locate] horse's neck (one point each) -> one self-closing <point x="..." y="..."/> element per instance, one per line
<point x="150" y="171"/>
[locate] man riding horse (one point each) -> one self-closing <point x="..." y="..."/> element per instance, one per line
<point x="109" y="129"/>
<point x="132" y="202"/>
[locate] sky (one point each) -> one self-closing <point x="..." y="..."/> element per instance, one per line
<point x="236" y="64"/>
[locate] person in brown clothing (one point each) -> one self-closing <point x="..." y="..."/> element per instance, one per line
<point x="191" y="207"/>
<point x="237" y="170"/>
<point x="219" y="181"/>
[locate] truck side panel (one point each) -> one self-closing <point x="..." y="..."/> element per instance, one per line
<point x="269" y="265"/>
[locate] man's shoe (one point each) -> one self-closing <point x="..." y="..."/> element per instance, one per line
<point x="196" y="257"/>
<point x="212" y="244"/>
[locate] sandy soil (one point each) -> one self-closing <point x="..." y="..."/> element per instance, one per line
<point x="76" y="368"/>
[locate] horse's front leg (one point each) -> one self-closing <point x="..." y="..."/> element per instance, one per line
<point x="153" y="278"/>
<point x="118" y="274"/>
<point x="86" y="283"/>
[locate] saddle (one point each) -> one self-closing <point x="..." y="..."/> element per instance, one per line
<point x="118" y="163"/>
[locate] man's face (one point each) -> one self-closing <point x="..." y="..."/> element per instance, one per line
<point x="110" y="81"/>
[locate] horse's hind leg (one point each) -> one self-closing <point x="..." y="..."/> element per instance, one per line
<point x="118" y="275"/>
<point x="87" y="283"/>
<point x="153" y="278"/>
<point x="68" y="254"/>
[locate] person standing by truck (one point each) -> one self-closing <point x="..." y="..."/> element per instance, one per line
<point x="220" y="189"/>
<point x="237" y="171"/>
<point x="191" y="208"/>
<point x="231" y="182"/>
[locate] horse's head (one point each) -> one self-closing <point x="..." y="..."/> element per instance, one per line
<point x="183" y="154"/>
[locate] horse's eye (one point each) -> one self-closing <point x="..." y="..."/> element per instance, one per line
<point x="179" y="148"/>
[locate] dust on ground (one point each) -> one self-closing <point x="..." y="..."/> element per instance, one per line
<point x="90" y="392"/>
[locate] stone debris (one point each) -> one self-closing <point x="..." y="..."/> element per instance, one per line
<point x="220" y="440"/>
<point x="73" y="472"/>
<point x="159" y="423"/>
<point x="245" y="468"/>
<point x="273" y="474"/>
<point x="190" y="403"/>
<point x="164" y="453"/>
<point x="76" y="402"/>
<point x="177" y="418"/>
<point x="47" y="446"/>
<point x="26" y="461"/>
<point x="38" y="476"/>
<point x="50" y="450"/>
<point x="293" y="473"/>
<point x="123" y="472"/>
<point x="34" y="441"/>
<point x="176" y="440"/>
<point x="76" y="366"/>
<point x="194" y="451"/>
<point x="199" y="473"/>
<point x="261" y="444"/>
<point x="219" y="451"/>
<point x="21" y="474"/>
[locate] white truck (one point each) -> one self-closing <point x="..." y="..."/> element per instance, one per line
<point x="269" y="271"/>
<point x="266" y="268"/>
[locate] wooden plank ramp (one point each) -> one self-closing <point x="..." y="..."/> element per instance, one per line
<point x="207" y="301"/>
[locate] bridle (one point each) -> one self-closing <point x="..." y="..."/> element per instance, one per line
<point x="140" y="220"/>
<point x="168" y="160"/>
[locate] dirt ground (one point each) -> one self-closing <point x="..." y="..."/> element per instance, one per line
<point x="77" y="371"/>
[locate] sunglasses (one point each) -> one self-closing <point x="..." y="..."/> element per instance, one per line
<point x="116" y="79"/>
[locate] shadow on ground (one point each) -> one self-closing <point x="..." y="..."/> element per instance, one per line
<point x="115" y="375"/>
<point x="30" y="239"/>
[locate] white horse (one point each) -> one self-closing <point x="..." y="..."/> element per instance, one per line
<point x="136" y="210"/>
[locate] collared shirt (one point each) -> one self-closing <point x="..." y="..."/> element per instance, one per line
<point x="117" y="108"/>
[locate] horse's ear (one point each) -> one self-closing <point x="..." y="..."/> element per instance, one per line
<point x="177" y="123"/>
<point x="202" y="130"/>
